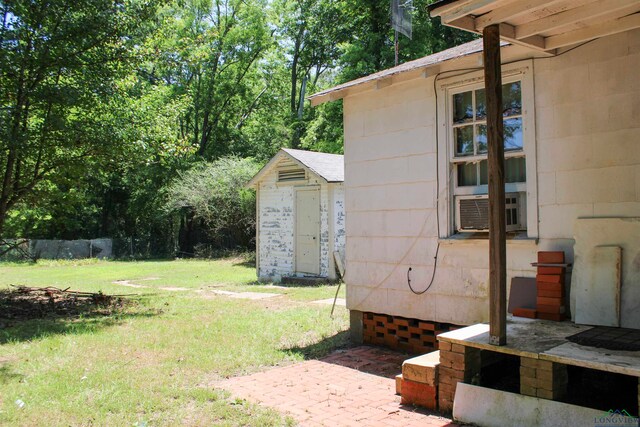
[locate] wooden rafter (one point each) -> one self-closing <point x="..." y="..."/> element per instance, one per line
<point x="572" y="16"/>
<point x="543" y="25"/>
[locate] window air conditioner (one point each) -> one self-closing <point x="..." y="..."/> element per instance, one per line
<point x="472" y="212"/>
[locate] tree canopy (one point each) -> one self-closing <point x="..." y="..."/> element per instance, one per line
<point x="109" y="109"/>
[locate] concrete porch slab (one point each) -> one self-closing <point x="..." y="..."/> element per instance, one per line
<point x="545" y="340"/>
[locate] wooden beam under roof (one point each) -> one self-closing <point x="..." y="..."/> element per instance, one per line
<point x="615" y="26"/>
<point x="465" y="8"/>
<point x="571" y="16"/>
<point x="510" y="11"/>
<point x="563" y="23"/>
<point x="507" y="32"/>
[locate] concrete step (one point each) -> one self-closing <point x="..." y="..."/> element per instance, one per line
<point x="422" y="369"/>
<point x="418" y="384"/>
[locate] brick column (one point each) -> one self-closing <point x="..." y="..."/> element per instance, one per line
<point x="457" y="364"/>
<point x="541" y="378"/>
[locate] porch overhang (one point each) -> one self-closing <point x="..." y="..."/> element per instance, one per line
<point x="543" y="25"/>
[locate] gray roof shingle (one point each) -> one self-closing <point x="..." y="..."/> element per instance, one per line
<point x="328" y="166"/>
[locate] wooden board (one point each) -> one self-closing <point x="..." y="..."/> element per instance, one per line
<point x="523" y="293"/>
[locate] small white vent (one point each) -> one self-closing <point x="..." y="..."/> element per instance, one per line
<point x="472" y="212"/>
<point x="291" y="175"/>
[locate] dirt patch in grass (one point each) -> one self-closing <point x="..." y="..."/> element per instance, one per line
<point x="128" y="284"/>
<point x="24" y="303"/>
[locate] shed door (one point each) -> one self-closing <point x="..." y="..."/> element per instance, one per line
<point x="308" y="231"/>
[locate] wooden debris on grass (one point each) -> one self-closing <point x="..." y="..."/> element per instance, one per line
<point x="24" y="302"/>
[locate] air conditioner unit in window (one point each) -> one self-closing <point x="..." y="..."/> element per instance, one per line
<point x="472" y="212"/>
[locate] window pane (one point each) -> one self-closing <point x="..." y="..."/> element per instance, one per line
<point x="467" y="174"/>
<point x="515" y="170"/>
<point x="511" y="99"/>
<point x="481" y="138"/>
<point x="462" y="107"/>
<point x="484" y="173"/>
<point x="481" y="105"/>
<point x="513" y="134"/>
<point x="464" y="140"/>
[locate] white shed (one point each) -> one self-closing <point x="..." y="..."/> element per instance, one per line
<point x="300" y="215"/>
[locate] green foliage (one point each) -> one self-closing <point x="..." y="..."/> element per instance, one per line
<point x="59" y="64"/>
<point x="210" y="53"/>
<point x="215" y="193"/>
<point x="105" y="106"/>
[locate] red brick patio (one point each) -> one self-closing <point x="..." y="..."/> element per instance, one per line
<point x="352" y="387"/>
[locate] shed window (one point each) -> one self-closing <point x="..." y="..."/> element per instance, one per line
<point x="291" y="175"/>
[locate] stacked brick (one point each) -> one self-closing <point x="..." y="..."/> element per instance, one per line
<point x="400" y="333"/>
<point x="542" y="378"/>
<point x="418" y="384"/>
<point x="550" y="284"/>
<point x="457" y="364"/>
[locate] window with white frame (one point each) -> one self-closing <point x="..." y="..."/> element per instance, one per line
<point x="465" y="119"/>
<point x="469" y="138"/>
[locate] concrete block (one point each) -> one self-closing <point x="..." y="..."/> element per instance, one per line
<point x="422" y="369"/>
<point x="528" y="372"/>
<point x="487" y="407"/>
<point x="399" y="384"/>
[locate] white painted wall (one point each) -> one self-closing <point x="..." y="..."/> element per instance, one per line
<point x="587" y="126"/>
<point x="276" y="226"/>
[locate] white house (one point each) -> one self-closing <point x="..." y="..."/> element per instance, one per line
<point x="423" y="144"/>
<point x="416" y="173"/>
<point x="300" y="215"/>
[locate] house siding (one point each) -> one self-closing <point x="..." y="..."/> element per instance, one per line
<point x="587" y="110"/>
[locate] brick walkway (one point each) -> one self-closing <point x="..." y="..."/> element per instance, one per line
<point x="352" y="387"/>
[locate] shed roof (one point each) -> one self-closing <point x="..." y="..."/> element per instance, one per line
<point x="465" y="49"/>
<point x="329" y="167"/>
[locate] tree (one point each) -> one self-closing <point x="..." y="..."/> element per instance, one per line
<point x="59" y="61"/>
<point x="210" y="53"/>
<point x="371" y="49"/>
<point x="312" y="32"/>
<point x="215" y="194"/>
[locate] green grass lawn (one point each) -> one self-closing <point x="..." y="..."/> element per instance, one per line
<point x="156" y="361"/>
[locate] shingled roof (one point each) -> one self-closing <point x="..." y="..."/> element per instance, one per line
<point x="465" y="49"/>
<point x="329" y="167"/>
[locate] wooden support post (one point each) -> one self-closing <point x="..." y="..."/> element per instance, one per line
<point x="497" y="226"/>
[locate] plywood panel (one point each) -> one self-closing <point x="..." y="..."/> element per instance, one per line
<point x="598" y="288"/>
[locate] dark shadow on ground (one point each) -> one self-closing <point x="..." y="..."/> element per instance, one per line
<point x="23" y="318"/>
<point x="323" y="347"/>
<point x="7" y="375"/>
<point x="339" y="350"/>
